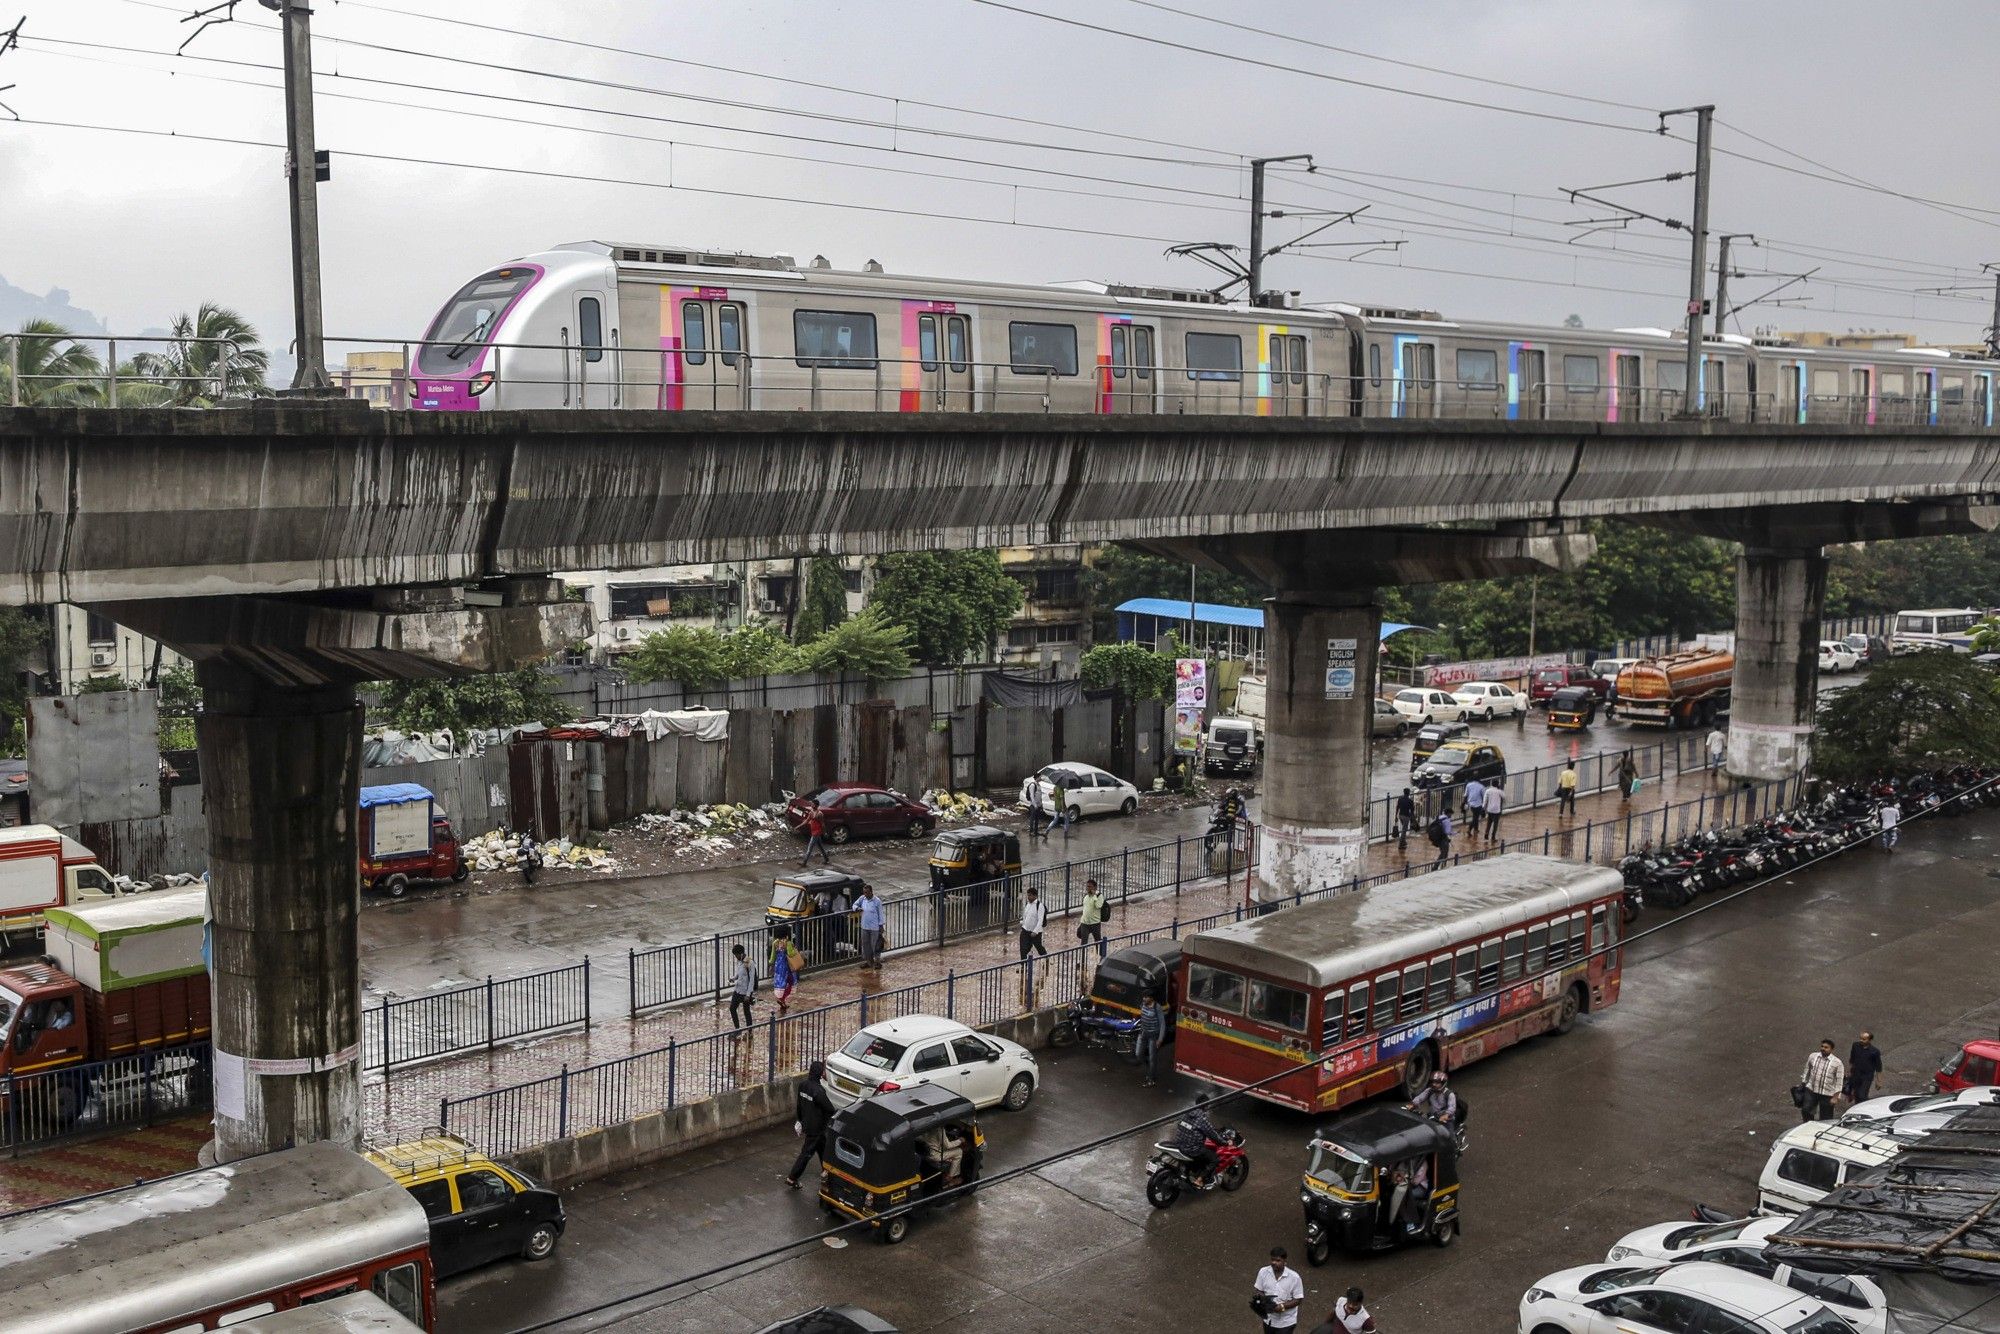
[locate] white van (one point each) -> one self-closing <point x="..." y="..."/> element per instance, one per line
<point x="1813" y="1158"/>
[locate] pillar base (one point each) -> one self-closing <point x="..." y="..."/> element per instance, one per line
<point x="1766" y="752"/>
<point x="1293" y="862"/>
<point x="1779" y="593"/>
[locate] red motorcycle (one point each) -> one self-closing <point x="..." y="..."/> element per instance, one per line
<point x="1170" y="1170"/>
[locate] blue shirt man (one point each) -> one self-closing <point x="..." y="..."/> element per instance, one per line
<point x="871" y="928"/>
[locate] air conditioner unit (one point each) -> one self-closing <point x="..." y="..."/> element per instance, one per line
<point x="768" y="607"/>
<point x="104" y="657"/>
<point x="622" y="632"/>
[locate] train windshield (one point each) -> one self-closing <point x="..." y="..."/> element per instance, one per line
<point x="467" y="324"/>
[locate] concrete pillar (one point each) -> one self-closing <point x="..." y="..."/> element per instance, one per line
<point x="1318" y="715"/>
<point x="1779" y="594"/>
<point x="280" y="770"/>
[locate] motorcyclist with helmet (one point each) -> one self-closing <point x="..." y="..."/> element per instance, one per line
<point x="1438" y="1101"/>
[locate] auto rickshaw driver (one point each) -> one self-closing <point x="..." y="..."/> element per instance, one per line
<point x="942" y="1150"/>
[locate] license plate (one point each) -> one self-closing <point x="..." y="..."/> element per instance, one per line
<point x="846" y="1085"/>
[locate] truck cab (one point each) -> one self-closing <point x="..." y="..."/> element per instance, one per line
<point x="44" y="1022"/>
<point x="41" y="868"/>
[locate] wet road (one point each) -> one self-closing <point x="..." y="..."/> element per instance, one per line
<point x="1672" y="1095"/>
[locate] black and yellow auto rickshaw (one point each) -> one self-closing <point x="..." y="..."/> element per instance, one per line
<point x="887" y="1157"/>
<point x="1109" y="1014"/>
<point x="984" y="863"/>
<point x="1383" y="1178"/>
<point x="1572" y="709"/>
<point x="817" y="905"/>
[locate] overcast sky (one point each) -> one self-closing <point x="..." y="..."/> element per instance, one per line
<point x="136" y="228"/>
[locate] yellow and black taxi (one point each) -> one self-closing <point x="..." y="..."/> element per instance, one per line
<point x="888" y="1157"/>
<point x="479" y="1211"/>
<point x="1383" y="1178"/>
<point x="1461" y="761"/>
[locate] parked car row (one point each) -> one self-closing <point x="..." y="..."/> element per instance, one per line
<point x="1484" y="700"/>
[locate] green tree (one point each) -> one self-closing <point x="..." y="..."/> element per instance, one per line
<point x="1138" y="671"/>
<point x="753" y="650"/>
<point x="472" y="703"/>
<point x="869" y="645"/>
<point x="102" y="685"/>
<point x="56" y="370"/>
<point x="21" y="638"/>
<point x="952" y="602"/>
<point x="213" y="353"/>
<point x="692" y="655"/>
<point x="180" y="702"/>
<point x="1986" y="636"/>
<point x="1924" y="711"/>
<point x="825" y="602"/>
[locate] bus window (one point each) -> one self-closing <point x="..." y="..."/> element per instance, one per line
<point x="1440" y="983"/>
<point x="244" y="1313"/>
<point x="1597" y="941"/>
<point x="1577" y="928"/>
<point x="1538" y="949"/>
<point x="1357" y="1009"/>
<point x="1281" y="1006"/>
<point x="1610" y="927"/>
<point x="1516" y="945"/>
<point x="1461" y="986"/>
<point x="400" y="1288"/>
<point x="1385" y="1001"/>
<point x="1558" y="942"/>
<point x="1413" y="991"/>
<point x="1489" y="965"/>
<point x="1214" y="988"/>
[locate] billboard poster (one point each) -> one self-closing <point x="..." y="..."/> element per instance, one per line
<point x="1190" y="703"/>
<point x="1340" y="655"/>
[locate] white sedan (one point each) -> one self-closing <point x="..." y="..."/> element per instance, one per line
<point x="1881" y="1109"/>
<point x="1489" y="700"/>
<point x="1423" y="705"/>
<point x="925" y="1049"/>
<point x="1084" y="788"/>
<point x="1671" y="1299"/>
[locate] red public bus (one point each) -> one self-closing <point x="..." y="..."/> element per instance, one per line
<point x="1365" y="992"/>
<point x="219" y="1246"/>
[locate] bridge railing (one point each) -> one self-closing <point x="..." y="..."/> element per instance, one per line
<point x="67" y="370"/>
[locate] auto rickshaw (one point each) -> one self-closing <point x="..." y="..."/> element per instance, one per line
<point x="1109" y="1014"/>
<point x="795" y="903"/>
<point x="1384" y="1178"/>
<point x="1572" y="709"/>
<point x="978" y="859"/>
<point x="887" y="1157"/>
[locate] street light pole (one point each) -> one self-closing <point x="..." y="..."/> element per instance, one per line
<point x="302" y="179"/>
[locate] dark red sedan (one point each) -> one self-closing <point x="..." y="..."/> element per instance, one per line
<point x="855" y="810"/>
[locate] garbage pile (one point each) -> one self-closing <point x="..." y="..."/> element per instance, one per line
<point x="955" y="806"/>
<point x="711" y="831"/>
<point x="498" y="851"/>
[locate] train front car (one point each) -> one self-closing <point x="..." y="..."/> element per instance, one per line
<point x="538" y="332"/>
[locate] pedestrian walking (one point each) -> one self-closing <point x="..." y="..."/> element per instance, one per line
<point x="1090" y="922"/>
<point x="1628" y="778"/>
<point x="1440" y="835"/>
<point x="814" y="1110"/>
<point x="871" y="928"/>
<point x="1151" y="1033"/>
<point x="1475" y="805"/>
<point x="785" y="964"/>
<point x="743" y="993"/>
<point x="1038" y="819"/>
<point x="1280" y="1292"/>
<point x="1864" y="1062"/>
<point x="1717" y="744"/>
<point x="1034" y="916"/>
<point x="1892" y="819"/>
<point x="1350" y="1316"/>
<point x="815" y="839"/>
<point x="1822" y="1079"/>
<point x="1406" y="820"/>
<point x="1566" y="789"/>
<point x="1496" y="802"/>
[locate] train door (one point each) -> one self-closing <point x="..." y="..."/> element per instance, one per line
<point x="1792" y="408"/>
<point x="1982" y="398"/>
<point x="1417" y="384"/>
<point x="1715" y="396"/>
<point x="1926" y="396"/>
<point x="1861" y="397"/>
<point x="1288" y="383"/>
<point x="1130" y="387"/>
<point x="715" y="360"/>
<point x="1533" y="386"/>
<point x="944" y="356"/>
<point x="593" y="382"/>
<point x="1632" y="405"/>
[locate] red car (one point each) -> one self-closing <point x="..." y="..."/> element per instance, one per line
<point x="1976" y="1063"/>
<point x="856" y="810"/>
<point x="1548" y="680"/>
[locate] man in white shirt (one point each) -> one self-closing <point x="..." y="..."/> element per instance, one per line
<point x="1892" y="816"/>
<point x="1283" y="1291"/>
<point x="1822" y="1079"/>
<point x="1034" y="916"/>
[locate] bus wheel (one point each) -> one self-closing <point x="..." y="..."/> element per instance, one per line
<point x="1572" y="1005"/>
<point x="1417" y="1067"/>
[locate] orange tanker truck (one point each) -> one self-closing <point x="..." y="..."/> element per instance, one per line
<point x="1687" y="689"/>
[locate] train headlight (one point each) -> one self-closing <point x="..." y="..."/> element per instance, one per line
<point x="482" y="382"/>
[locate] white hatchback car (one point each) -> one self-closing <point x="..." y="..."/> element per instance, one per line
<point x="1489" y="700"/>
<point x="1671" y="1299"/>
<point x="925" y="1049"/>
<point x="1835" y="656"/>
<point x="1423" y="705"/>
<point x="1084" y="787"/>
<point x="1881" y="1109"/>
<point x="1670" y="1241"/>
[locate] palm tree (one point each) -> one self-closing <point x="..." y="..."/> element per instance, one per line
<point x="55" y="369"/>
<point x="213" y="353"/>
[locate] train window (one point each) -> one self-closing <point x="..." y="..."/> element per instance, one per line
<point x="954" y="343"/>
<point x="590" y="327"/>
<point x="1277" y="1005"/>
<point x="1143" y="360"/>
<point x="1036" y="349"/>
<point x="1214" y="356"/>
<point x="1826" y="384"/>
<point x="835" y="339"/>
<point x="1120" y="353"/>
<point x="398" y="1287"/>
<point x="1478" y="368"/>
<point x="1671" y="376"/>
<point x="1953" y="391"/>
<point x="1385" y="1000"/>
<point x="694" y="333"/>
<point x="1893" y="385"/>
<point x="1375" y="364"/>
<point x="1214" y="988"/>
<point x="729" y="331"/>
<point x="1581" y="375"/>
<point x="927" y="342"/>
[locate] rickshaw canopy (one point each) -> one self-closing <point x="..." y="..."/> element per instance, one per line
<point x="1146" y="966"/>
<point x="1387" y="1135"/>
<point x="891" y="1122"/>
<point x="793" y="893"/>
<point x="1573" y="699"/>
<point x="977" y="836"/>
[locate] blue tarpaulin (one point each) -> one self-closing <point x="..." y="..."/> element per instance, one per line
<point x="394" y="794"/>
<point x="1205" y="613"/>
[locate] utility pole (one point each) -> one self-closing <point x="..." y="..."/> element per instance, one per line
<point x="1722" y="274"/>
<point x="302" y="177"/>
<point x="1993" y="330"/>
<point x="1698" y="260"/>
<point x="1257" y="165"/>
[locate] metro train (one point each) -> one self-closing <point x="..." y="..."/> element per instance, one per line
<point x="599" y="325"/>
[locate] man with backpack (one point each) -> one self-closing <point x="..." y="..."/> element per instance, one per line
<point x="1440" y="836"/>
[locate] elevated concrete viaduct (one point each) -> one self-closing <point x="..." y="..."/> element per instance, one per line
<point x="295" y="550"/>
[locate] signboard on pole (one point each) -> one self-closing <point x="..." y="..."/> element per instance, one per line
<point x="1190" y="703"/>
<point x="1446" y="675"/>
<point x="1340" y="657"/>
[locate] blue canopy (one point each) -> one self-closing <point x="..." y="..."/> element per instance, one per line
<point x="1209" y="613"/>
<point x="394" y="794"/>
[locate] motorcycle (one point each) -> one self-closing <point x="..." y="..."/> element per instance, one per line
<point x="1169" y="1171"/>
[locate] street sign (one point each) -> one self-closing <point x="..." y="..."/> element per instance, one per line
<point x="1340" y="658"/>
